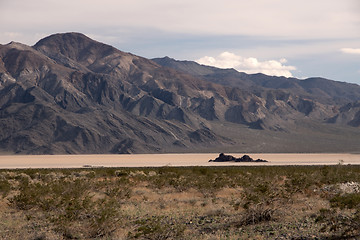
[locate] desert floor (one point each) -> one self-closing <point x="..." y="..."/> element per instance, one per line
<point x="202" y="203"/>
<point x="159" y="160"/>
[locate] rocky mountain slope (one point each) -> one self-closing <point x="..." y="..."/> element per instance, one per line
<point x="71" y="94"/>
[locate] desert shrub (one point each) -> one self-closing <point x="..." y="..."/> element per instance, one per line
<point x="106" y="172"/>
<point x="5" y="187"/>
<point x="250" y="199"/>
<point x="339" y="224"/>
<point x="48" y="196"/>
<point x="121" y="173"/>
<point x="338" y="174"/>
<point x="72" y="209"/>
<point x="263" y="193"/>
<point x="157" y="227"/>
<point x="104" y="218"/>
<point x="198" y="171"/>
<point x="90" y="174"/>
<point x="258" y="213"/>
<point x="29" y="196"/>
<point x="350" y="200"/>
<point x="297" y="182"/>
<point x="262" y="188"/>
<point x="116" y="191"/>
<point x="67" y="202"/>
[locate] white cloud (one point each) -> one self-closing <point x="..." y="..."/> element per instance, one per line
<point x="350" y="50"/>
<point x="249" y="65"/>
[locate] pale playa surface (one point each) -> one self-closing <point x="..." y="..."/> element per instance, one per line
<point x="158" y="160"/>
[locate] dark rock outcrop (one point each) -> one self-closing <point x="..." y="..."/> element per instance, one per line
<point x="228" y="158"/>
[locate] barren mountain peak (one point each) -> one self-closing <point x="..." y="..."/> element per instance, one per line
<point x="18" y="46"/>
<point x="63" y="37"/>
<point x="75" y="46"/>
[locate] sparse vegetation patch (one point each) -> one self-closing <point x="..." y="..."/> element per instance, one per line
<point x="279" y="202"/>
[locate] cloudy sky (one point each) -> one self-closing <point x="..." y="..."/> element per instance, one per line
<point x="296" y="38"/>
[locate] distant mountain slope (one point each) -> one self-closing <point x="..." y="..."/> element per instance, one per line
<point x="348" y="114"/>
<point x="319" y="89"/>
<point x="71" y="94"/>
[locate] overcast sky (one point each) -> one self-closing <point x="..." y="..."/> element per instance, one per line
<point x="306" y="38"/>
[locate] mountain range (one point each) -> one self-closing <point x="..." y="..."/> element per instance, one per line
<point x="69" y="94"/>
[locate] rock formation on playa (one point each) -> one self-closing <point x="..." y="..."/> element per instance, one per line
<point x="228" y="158"/>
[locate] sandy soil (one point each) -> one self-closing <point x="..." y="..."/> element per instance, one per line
<point x="157" y="160"/>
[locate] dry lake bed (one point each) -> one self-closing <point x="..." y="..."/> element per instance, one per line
<point x="159" y="160"/>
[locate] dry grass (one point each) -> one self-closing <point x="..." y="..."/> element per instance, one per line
<point x="181" y="203"/>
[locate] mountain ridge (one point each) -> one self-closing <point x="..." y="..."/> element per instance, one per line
<point x="71" y="94"/>
<point x="230" y="77"/>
